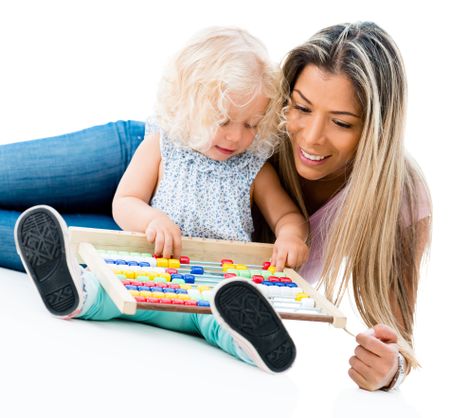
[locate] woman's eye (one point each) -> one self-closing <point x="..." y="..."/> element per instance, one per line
<point x="342" y="124"/>
<point x="250" y="126"/>
<point x="224" y="123"/>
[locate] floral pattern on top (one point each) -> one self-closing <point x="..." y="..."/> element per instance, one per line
<point x="204" y="197"/>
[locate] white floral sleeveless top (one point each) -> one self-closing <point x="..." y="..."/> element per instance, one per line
<point x="204" y="197"/>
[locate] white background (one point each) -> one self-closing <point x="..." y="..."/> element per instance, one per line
<point x="67" y="65"/>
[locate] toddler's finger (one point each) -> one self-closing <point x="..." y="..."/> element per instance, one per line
<point x="177" y="246"/>
<point x="168" y="245"/>
<point x="151" y="234"/>
<point x="280" y="262"/>
<point x="273" y="259"/>
<point x="159" y="243"/>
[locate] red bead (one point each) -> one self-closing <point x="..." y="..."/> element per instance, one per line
<point x="171" y="271"/>
<point x="273" y="279"/>
<point x="229" y="275"/>
<point x="266" y="265"/>
<point x="178" y="302"/>
<point x="285" y="280"/>
<point x="184" y="259"/>
<point x="257" y="278"/>
<point x="174" y="286"/>
<point x="153" y="300"/>
<point x="140" y="299"/>
<point x="135" y="283"/>
<point x="190" y="302"/>
<point x="126" y="282"/>
<point x="166" y="301"/>
<point x="226" y="261"/>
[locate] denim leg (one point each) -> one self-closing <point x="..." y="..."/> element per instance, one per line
<point x="8" y="255"/>
<point x="102" y="308"/>
<point x="74" y="173"/>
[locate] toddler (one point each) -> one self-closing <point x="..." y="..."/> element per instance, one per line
<point x="197" y="173"/>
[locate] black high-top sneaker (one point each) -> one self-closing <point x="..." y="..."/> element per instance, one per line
<point x="42" y="242"/>
<point x="257" y="329"/>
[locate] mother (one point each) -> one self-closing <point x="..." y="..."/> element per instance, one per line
<point x="342" y="161"/>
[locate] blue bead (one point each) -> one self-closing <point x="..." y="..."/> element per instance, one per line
<point x="121" y="263"/>
<point x="110" y="261"/>
<point x="267" y="283"/>
<point x="176" y="276"/>
<point x="197" y="270"/>
<point x="157" y="289"/>
<point x="133" y="263"/>
<point x="203" y="303"/>
<point x="181" y="291"/>
<point x="144" y="264"/>
<point x="189" y="278"/>
<point x="143" y="288"/>
<point x="279" y="284"/>
<point x="168" y="290"/>
<point x="291" y="284"/>
<point x="130" y="287"/>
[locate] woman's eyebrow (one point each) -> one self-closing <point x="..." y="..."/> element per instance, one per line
<point x="334" y="112"/>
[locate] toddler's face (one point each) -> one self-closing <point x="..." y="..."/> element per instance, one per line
<point x="236" y="133"/>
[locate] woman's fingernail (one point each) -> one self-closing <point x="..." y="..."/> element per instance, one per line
<point x="370" y="332"/>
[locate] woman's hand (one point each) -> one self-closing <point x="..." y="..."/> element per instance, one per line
<point x="289" y="250"/>
<point x="375" y="362"/>
<point x="166" y="235"/>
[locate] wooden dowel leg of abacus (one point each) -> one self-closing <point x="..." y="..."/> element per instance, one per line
<point x="116" y="291"/>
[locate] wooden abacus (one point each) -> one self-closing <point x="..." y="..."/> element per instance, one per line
<point x="87" y="243"/>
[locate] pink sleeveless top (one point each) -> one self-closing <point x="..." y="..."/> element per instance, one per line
<point x="312" y="269"/>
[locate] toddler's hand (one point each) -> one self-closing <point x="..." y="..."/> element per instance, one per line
<point x="166" y="235"/>
<point x="289" y="250"/>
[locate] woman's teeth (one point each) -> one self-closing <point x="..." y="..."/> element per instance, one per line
<point x="313" y="157"/>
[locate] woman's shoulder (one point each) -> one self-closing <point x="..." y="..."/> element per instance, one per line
<point x="416" y="201"/>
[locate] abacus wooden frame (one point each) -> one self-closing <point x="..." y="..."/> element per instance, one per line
<point x="86" y="241"/>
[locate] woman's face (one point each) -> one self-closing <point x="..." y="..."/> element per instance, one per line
<point x="324" y="122"/>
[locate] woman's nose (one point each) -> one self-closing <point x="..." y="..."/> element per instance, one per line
<point x="314" y="130"/>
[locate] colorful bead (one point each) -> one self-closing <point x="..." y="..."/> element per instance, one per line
<point x="197" y="270"/>
<point x="185" y="259"/>
<point x="266" y="265"/>
<point x="174" y="263"/>
<point x="162" y="262"/>
<point x="257" y="278"/>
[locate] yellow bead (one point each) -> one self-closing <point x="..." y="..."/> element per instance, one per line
<point x="174" y="263"/>
<point x="203" y="287"/>
<point x="162" y="262"/>
<point x="146" y="293"/>
<point x="241" y="267"/>
<point x="227" y="266"/>
<point x="185" y="286"/>
<point x="129" y="274"/>
<point x="134" y="292"/>
<point x="272" y="269"/>
<point x="300" y="296"/>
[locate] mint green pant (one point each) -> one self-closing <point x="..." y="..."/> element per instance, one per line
<point x="99" y="307"/>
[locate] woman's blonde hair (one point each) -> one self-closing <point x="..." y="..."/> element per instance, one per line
<point x="194" y="92"/>
<point x="373" y="240"/>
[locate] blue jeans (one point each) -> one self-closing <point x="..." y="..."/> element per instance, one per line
<point x="76" y="173"/>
